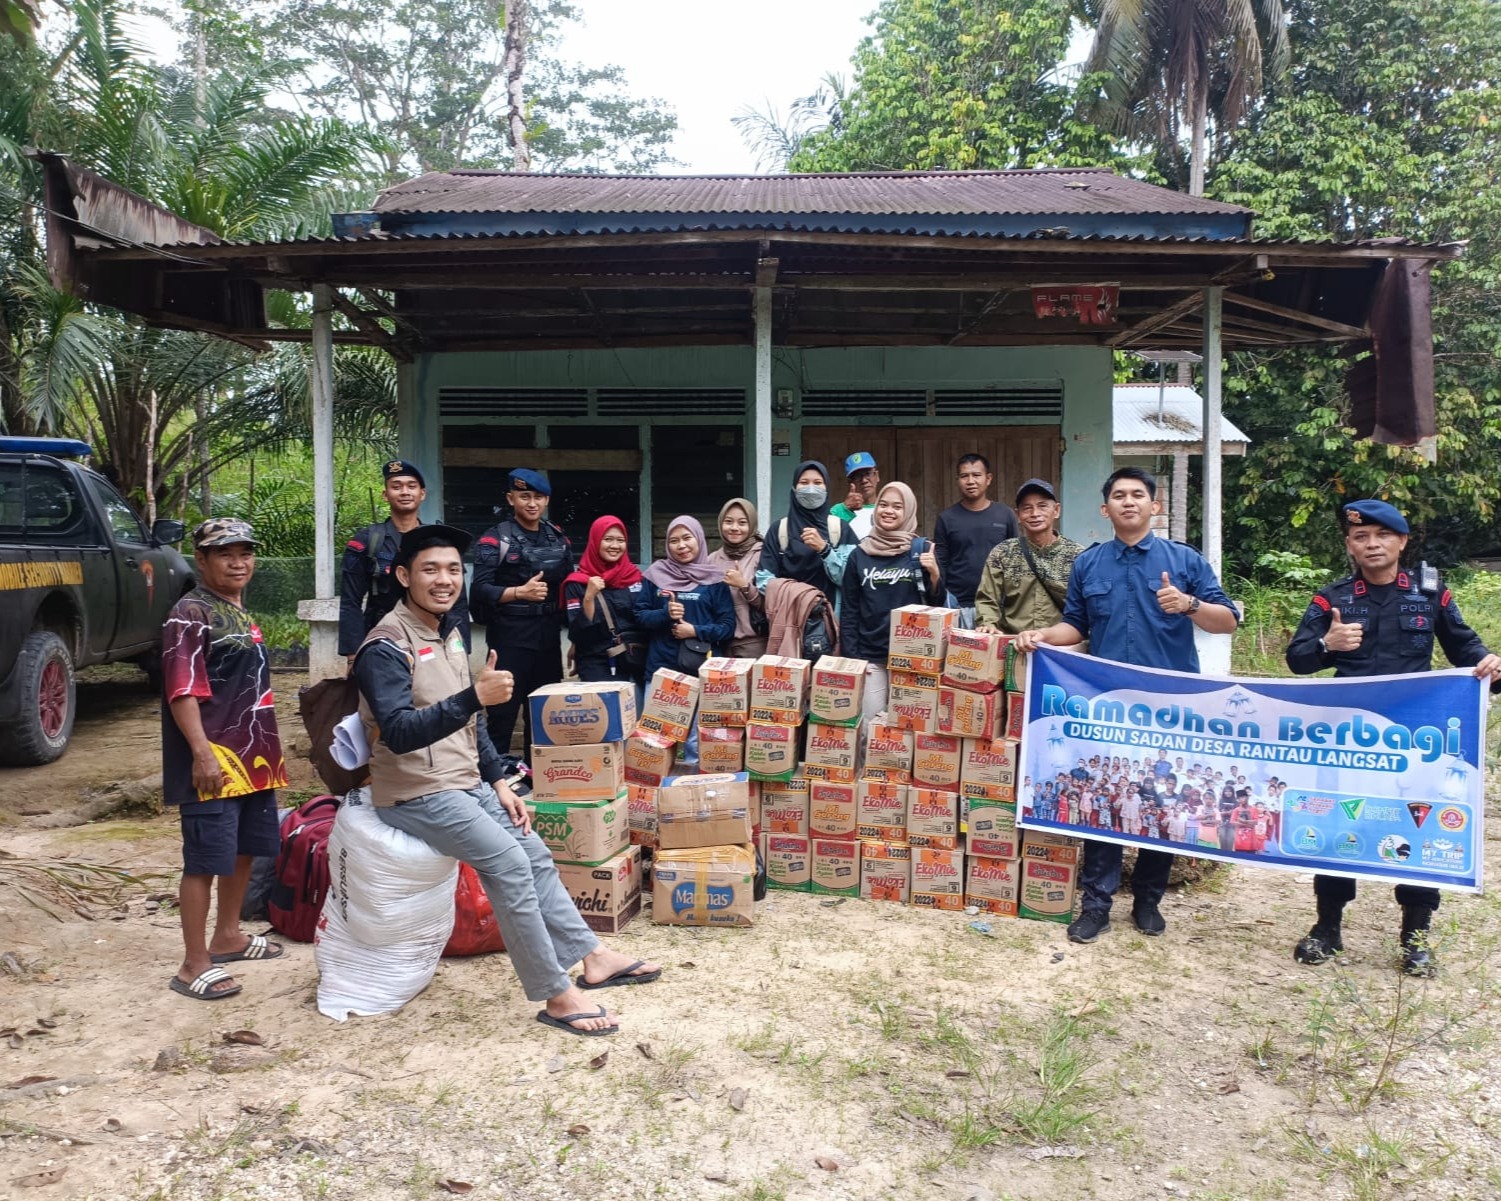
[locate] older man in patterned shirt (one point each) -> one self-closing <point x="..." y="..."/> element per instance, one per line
<point x="1026" y="579"/>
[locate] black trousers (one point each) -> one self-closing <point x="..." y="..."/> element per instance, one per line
<point x="1101" y="875"/>
<point x="1341" y="889"/>
<point x="532" y="667"/>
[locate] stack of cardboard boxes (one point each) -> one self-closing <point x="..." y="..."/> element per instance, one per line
<point x="578" y="801"/>
<point x="703" y="872"/>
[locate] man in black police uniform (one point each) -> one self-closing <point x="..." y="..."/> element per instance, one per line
<point x="1381" y="621"/>
<point x="367" y="585"/>
<point x="519" y="568"/>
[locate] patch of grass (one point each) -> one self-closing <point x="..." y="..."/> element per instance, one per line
<point x="664" y="1074"/>
<point x="1061" y="1105"/>
<point x="1370" y="1167"/>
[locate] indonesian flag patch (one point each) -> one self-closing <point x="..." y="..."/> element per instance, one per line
<point x="425" y="652"/>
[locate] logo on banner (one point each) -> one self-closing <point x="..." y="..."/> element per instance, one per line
<point x="1348" y="846"/>
<point x="1420" y="811"/>
<point x="1394" y="848"/>
<point x="1453" y="819"/>
<point x="1308" y="840"/>
<point x="1352" y="808"/>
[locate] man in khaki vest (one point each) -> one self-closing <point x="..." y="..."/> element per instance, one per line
<point x="435" y="775"/>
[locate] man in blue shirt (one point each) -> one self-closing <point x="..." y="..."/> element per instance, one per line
<point x="1137" y="599"/>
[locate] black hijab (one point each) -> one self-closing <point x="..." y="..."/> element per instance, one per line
<point x="802" y="562"/>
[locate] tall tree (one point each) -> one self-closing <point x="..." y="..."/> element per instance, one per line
<point x="518" y="14"/>
<point x="1167" y="64"/>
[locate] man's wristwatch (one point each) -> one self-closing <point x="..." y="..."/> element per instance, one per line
<point x="1193" y="606"/>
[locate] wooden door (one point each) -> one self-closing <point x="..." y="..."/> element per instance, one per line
<point x="832" y="444"/>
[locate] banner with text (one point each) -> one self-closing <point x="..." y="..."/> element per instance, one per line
<point x="1378" y="778"/>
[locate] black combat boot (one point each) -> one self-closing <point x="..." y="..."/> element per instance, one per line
<point x="1325" y="940"/>
<point x="1417" y="949"/>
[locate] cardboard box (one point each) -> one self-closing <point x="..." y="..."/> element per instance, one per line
<point x="671" y="700"/>
<point x="607" y="896"/>
<point x="838" y="693"/>
<point x="1015" y="718"/>
<point x="989" y="769"/>
<point x="720" y="749"/>
<point x="704" y="886"/>
<point x="586" y="833"/>
<point x="784" y="806"/>
<point x="971" y="714"/>
<point x="933" y="818"/>
<point x="575" y="713"/>
<point x="703" y="811"/>
<point x="881" y="811"/>
<point x="886" y="871"/>
<point x="888" y="752"/>
<point x="789" y="861"/>
<point x="1016" y="669"/>
<point x="641" y="814"/>
<point x="591" y="772"/>
<point x="936" y="760"/>
<point x="937" y="878"/>
<point x="919" y="634"/>
<point x="911" y="704"/>
<point x="771" y="750"/>
<point x="779" y="690"/>
<point x="975" y="660"/>
<point x="648" y="758"/>
<point x="1044" y="844"/>
<point x="835" y="867"/>
<point x="992" y="885"/>
<point x="832" y="811"/>
<point x="724" y="691"/>
<point x="1049" y="883"/>
<point x="993" y="831"/>
<point x="831" y="752"/>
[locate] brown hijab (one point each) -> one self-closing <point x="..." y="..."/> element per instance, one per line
<point x="888" y="544"/>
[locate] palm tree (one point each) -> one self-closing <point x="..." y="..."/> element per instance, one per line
<point x="1167" y="63"/>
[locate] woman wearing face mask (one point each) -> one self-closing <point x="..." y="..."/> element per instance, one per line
<point x="686" y="600"/>
<point x="890" y="567"/>
<point x="739" y="554"/>
<point x="599" y="600"/>
<point x="797" y="546"/>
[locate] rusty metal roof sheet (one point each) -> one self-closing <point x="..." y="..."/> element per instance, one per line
<point x="1180" y="419"/>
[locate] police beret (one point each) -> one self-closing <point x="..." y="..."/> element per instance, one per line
<point x="423" y="536"/>
<point x="1372" y="512"/>
<point x="524" y="479"/>
<point x="398" y="467"/>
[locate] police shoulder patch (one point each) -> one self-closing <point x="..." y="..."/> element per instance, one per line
<point x="356" y="544"/>
<point x="1319" y="602"/>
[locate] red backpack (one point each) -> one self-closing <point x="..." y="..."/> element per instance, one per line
<point x="302" y="875"/>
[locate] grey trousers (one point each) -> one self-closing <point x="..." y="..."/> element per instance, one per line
<point x="544" y="934"/>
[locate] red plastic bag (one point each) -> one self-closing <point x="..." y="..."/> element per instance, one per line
<point x="475" y="931"/>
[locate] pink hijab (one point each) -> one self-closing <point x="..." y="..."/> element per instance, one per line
<point x="671" y="576"/>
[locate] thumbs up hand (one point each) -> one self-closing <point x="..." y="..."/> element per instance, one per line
<point x="674" y="607"/>
<point x="1170" y="600"/>
<point x="535" y="589"/>
<point x="1342" y="635"/>
<point x="493" y="687"/>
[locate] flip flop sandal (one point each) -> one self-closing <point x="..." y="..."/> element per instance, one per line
<point x="623" y="977"/>
<point x="200" y="988"/>
<point x="259" y="947"/>
<point x="567" y="1023"/>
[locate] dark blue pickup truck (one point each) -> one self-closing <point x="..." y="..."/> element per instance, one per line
<point x="82" y="581"/>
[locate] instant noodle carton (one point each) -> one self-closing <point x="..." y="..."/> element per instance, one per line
<point x="933" y="818"/>
<point x="671" y="700"/>
<point x="838" y="691"/>
<point x="831" y="752"/>
<point x="641" y="814"/>
<point x="919" y="634"/>
<point x="1059" y="847"/>
<point x="885" y="871"/>
<point x="779" y="690"/>
<point x="784" y="806"/>
<point x="574" y="713"/>
<point x="771" y="750"/>
<point x="703" y="811"/>
<point x="724" y="692"/>
<point x="971" y="714"/>
<point x="606" y="896"/>
<point x="936" y="761"/>
<point x="704" y="886"/>
<point x="989" y="769"/>
<point x="1049" y="882"/>
<point x="836" y="866"/>
<point x="832" y="811"/>
<point x="1015" y="718"/>
<point x="993" y="831"/>
<point x="881" y="811"/>
<point x="993" y="885"/>
<point x="937" y="878"/>
<point x="593" y="772"/>
<point x="720" y="748"/>
<point x="888" y="752"/>
<point x="975" y="660"/>
<point x="1016" y="669"/>
<point x="789" y="861"/>
<point x="911" y="703"/>
<point x="648" y="758"/>
<point x="586" y="833"/>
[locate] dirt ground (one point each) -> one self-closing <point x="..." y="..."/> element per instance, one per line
<point x="833" y="1051"/>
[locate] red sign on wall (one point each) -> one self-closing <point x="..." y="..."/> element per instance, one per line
<point x="1092" y="304"/>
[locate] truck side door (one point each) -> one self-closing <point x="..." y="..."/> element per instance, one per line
<point x="145" y="594"/>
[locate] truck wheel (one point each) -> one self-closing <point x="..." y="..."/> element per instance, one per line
<point x="49" y="702"/>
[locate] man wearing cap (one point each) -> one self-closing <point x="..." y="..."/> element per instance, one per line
<point x="519" y="568"/>
<point x="859" y="508"/>
<point x="367" y="587"/>
<point x="967" y="532"/>
<point x="1382" y="620"/>
<point x="1025" y="579"/>
<point x="435" y="774"/>
<point x="221" y="756"/>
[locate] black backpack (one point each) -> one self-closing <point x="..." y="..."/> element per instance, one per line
<point x="818" y="637"/>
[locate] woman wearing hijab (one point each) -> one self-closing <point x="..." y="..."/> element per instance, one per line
<point x="738" y="556"/>
<point x="685" y="598"/>
<point x="890" y="567"/>
<point x="798" y="545"/>
<point x="599" y="600"/>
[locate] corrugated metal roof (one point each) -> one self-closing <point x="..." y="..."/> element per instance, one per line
<point x="1136" y="416"/>
<point x="1081" y="190"/>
